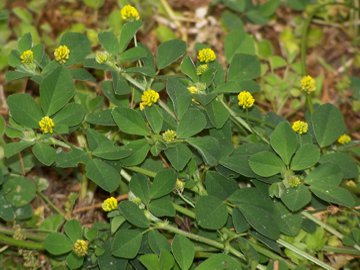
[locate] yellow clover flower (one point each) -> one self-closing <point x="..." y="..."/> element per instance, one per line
<point x="206" y="55"/>
<point x="308" y="84"/>
<point x="62" y="54"/>
<point x="129" y="13"/>
<point x="300" y="127"/>
<point x="344" y="139"/>
<point x="294" y="181"/>
<point x="80" y="248"/>
<point x="46" y="124"/>
<point x="179" y="186"/>
<point x="193" y="89"/>
<point x="169" y="135"/>
<point x="27" y="57"/>
<point x="101" y="57"/>
<point x="148" y="98"/>
<point x="109" y="204"/>
<point x="246" y="100"/>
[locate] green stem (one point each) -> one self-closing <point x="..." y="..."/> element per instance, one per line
<point x="242" y="122"/>
<point x="304" y="254"/>
<point x="28" y="235"/>
<point x="323" y="225"/>
<point x="184" y="210"/>
<point x="141" y="170"/>
<point x="50" y="203"/>
<point x="201" y="239"/>
<point x="186" y="200"/>
<point x="341" y="250"/>
<point x="83" y="187"/>
<point x="266" y="252"/>
<point x="327" y="227"/>
<point x="21" y="243"/>
<point x="309" y="103"/>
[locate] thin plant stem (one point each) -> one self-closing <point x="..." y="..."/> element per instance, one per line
<point x="51" y="204"/>
<point x="141" y="170"/>
<point x="28" y="235"/>
<point x="21" y="243"/>
<point x="84" y="186"/>
<point x="207" y="241"/>
<point x="304" y="254"/>
<point x="327" y="227"/>
<point x="184" y="210"/>
<point x="242" y="122"/>
<point x="341" y="250"/>
<point x="309" y="103"/>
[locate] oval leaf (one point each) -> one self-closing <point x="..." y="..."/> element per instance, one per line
<point x="104" y="175"/>
<point x="211" y="212"/>
<point x="130" y="121"/>
<point x="305" y="157"/>
<point x="328" y="124"/>
<point x="183" y="251"/>
<point x="57" y="244"/>
<point x="265" y="164"/>
<point x="169" y="52"/>
<point x="284" y="141"/>
<point x="56" y="89"/>
<point x="133" y="214"/>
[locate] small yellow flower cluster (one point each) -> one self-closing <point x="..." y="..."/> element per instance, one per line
<point x="27" y="57"/>
<point x="101" y="57"/>
<point x="180" y="185"/>
<point x="206" y="55"/>
<point x="200" y="70"/>
<point x="300" y="127"/>
<point x="62" y="54"/>
<point x="109" y="204"/>
<point x="80" y="248"/>
<point x="344" y="139"/>
<point x="129" y="13"/>
<point x="308" y="84"/>
<point x="169" y="136"/>
<point x="193" y="89"/>
<point x="246" y="100"/>
<point x="294" y="181"/>
<point x="148" y="98"/>
<point x="46" y="124"/>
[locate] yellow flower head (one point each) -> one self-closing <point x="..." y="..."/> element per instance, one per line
<point x="206" y="55"/>
<point x="308" y="84"/>
<point x="101" y="57"/>
<point x="109" y="204"/>
<point x="294" y="181"/>
<point x="193" y="89"/>
<point x="80" y="248"/>
<point x="169" y="135"/>
<point x="46" y="124"/>
<point x="246" y="100"/>
<point x="200" y="70"/>
<point x="129" y="13"/>
<point x="180" y="185"/>
<point x="27" y="57"/>
<point x="148" y="98"/>
<point x="344" y="139"/>
<point x="300" y="127"/>
<point x="62" y="54"/>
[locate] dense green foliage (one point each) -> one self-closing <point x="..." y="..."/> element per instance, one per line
<point x="210" y="180"/>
